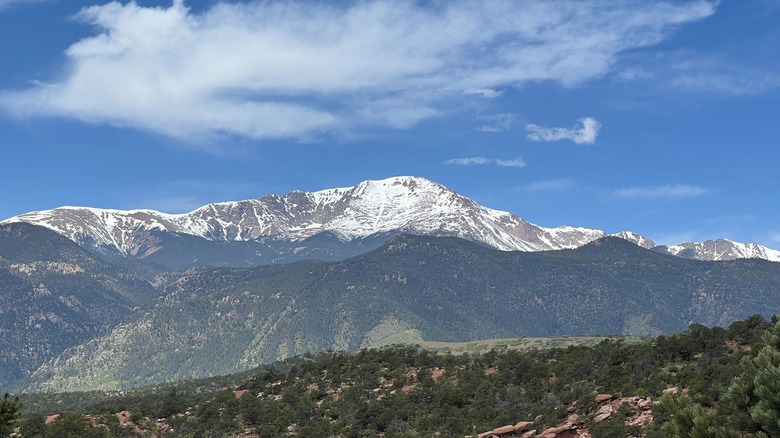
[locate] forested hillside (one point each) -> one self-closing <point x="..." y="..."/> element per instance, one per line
<point x="411" y="392"/>
<point x="215" y="321"/>
<point x="54" y="295"/>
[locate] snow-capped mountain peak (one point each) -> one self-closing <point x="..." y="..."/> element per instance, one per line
<point x="636" y="239"/>
<point x="722" y="249"/>
<point x="402" y="204"/>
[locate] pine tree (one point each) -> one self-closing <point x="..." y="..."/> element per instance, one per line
<point x="753" y="399"/>
<point x="690" y="420"/>
<point x="9" y="409"/>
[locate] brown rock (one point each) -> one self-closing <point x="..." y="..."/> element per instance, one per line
<point x="601" y="398"/>
<point x="671" y="390"/>
<point x="239" y="394"/>
<point x="529" y="434"/>
<point x="645" y="404"/>
<point x="486" y="435"/>
<point x="522" y="426"/>
<point x="123" y="417"/>
<point x="603" y="413"/>
<point x="503" y="430"/>
<point x="51" y="419"/>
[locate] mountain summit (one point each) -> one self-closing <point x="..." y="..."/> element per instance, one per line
<point x="395" y="205"/>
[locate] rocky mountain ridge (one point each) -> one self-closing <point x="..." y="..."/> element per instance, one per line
<point x="410" y="205"/>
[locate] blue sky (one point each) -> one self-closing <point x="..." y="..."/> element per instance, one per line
<point x="656" y="117"/>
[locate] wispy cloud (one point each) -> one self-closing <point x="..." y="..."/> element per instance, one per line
<point x="553" y="185"/>
<point x="470" y="161"/>
<point x="584" y="134"/>
<point x="704" y="73"/>
<point x="744" y="83"/>
<point x="478" y="161"/>
<point x="662" y="191"/>
<point x="278" y="69"/>
<point x="487" y="93"/>
<point x="515" y="162"/>
<point x="6" y="3"/>
<point x="497" y="122"/>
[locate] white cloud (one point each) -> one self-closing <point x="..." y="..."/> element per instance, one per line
<point x="487" y="93"/>
<point x="553" y="185"/>
<point x="662" y="191"/>
<point x="6" y="3"/>
<point x="478" y="161"/>
<point x="268" y="69"/>
<point x="586" y="134"/>
<point x="497" y="122"/>
<point x="707" y="73"/>
<point x="745" y="83"/>
<point x="515" y="162"/>
<point x="470" y="161"/>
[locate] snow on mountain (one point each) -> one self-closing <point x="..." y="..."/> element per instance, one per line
<point x="721" y="249"/>
<point x="636" y="239"/>
<point x="400" y="204"/>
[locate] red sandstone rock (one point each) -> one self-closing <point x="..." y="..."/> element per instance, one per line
<point x="603" y="413"/>
<point x="522" y="426"/>
<point x="504" y="430"/>
<point x="601" y="398"/>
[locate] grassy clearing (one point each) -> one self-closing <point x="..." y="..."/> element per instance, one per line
<point x="485" y="345"/>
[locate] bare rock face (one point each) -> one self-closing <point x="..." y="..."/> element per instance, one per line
<point x="640" y="414"/>
<point x="604" y="413"/>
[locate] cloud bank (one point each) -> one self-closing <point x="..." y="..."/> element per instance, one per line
<point x="662" y="191"/>
<point x="585" y="134"/>
<point x="269" y="69"/>
<point x="477" y="161"/>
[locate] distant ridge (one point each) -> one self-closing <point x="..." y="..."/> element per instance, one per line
<point x="403" y="204"/>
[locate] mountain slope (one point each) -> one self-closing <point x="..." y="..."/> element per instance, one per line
<point x="394" y="205"/>
<point x="222" y="320"/>
<point x="54" y="295"/>
<point x="720" y="249"/>
<point x="355" y="219"/>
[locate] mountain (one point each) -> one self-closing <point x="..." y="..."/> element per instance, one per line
<point x="391" y="206"/>
<point x="215" y="321"/>
<point x="348" y="221"/>
<point x="54" y="295"/>
<point x="720" y="249"/>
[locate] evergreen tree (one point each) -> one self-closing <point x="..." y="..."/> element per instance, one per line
<point x="9" y="410"/>
<point x="690" y="420"/>
<point x="753" y="399"/>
